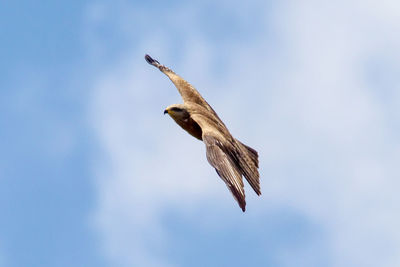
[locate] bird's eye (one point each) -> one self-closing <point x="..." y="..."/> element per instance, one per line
<point x="175" y="109"/>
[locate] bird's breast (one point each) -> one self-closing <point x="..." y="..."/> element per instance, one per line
<point x="190" y="126"/>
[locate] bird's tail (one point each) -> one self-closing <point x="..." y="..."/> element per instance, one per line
<point x="248" y="163"/>
<point x="251" y="152"/>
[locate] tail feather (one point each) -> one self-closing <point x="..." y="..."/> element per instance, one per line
<point x="252" y="153"/>
<point x="248" y="162"/>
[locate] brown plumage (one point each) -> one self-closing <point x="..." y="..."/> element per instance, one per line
<point x="230" y="158"/>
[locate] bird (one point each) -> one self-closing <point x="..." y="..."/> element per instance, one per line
<point x="231" y="158"/>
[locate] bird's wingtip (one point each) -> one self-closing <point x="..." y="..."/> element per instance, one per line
<point x="151" y="61"/>
<point x="243" y="206"/>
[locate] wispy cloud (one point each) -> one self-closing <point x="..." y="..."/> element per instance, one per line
<point x="304" y="90"/>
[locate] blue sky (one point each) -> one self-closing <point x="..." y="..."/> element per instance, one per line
<point x="92" y="173"/>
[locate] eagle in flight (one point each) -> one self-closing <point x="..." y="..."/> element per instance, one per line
<point x="230" y="158"/>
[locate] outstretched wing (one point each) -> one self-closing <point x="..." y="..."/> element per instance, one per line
<point x="187" y="91"/>
<point x="220" y="154"/>
<point x="225" y="167"/>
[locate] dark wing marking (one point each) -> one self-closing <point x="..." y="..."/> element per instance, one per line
<point x="225" y="167"/>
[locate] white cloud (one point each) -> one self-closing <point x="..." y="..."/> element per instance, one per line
<point x="140" y="178"/>
<point x="303" y="98"/>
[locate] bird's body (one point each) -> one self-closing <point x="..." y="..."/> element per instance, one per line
<point x="230" y="158"/>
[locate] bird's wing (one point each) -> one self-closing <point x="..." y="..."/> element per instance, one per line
<point x="187" y="91"/>
<point x="219" y="154"/>
<point x="225" y="168"/>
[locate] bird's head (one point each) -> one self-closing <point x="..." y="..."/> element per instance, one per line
<point x="177" y="112"/>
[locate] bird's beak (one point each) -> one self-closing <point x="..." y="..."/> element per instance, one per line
<point x="165" y="111"/>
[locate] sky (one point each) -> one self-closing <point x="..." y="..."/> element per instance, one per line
<point x="93" y="174"/>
